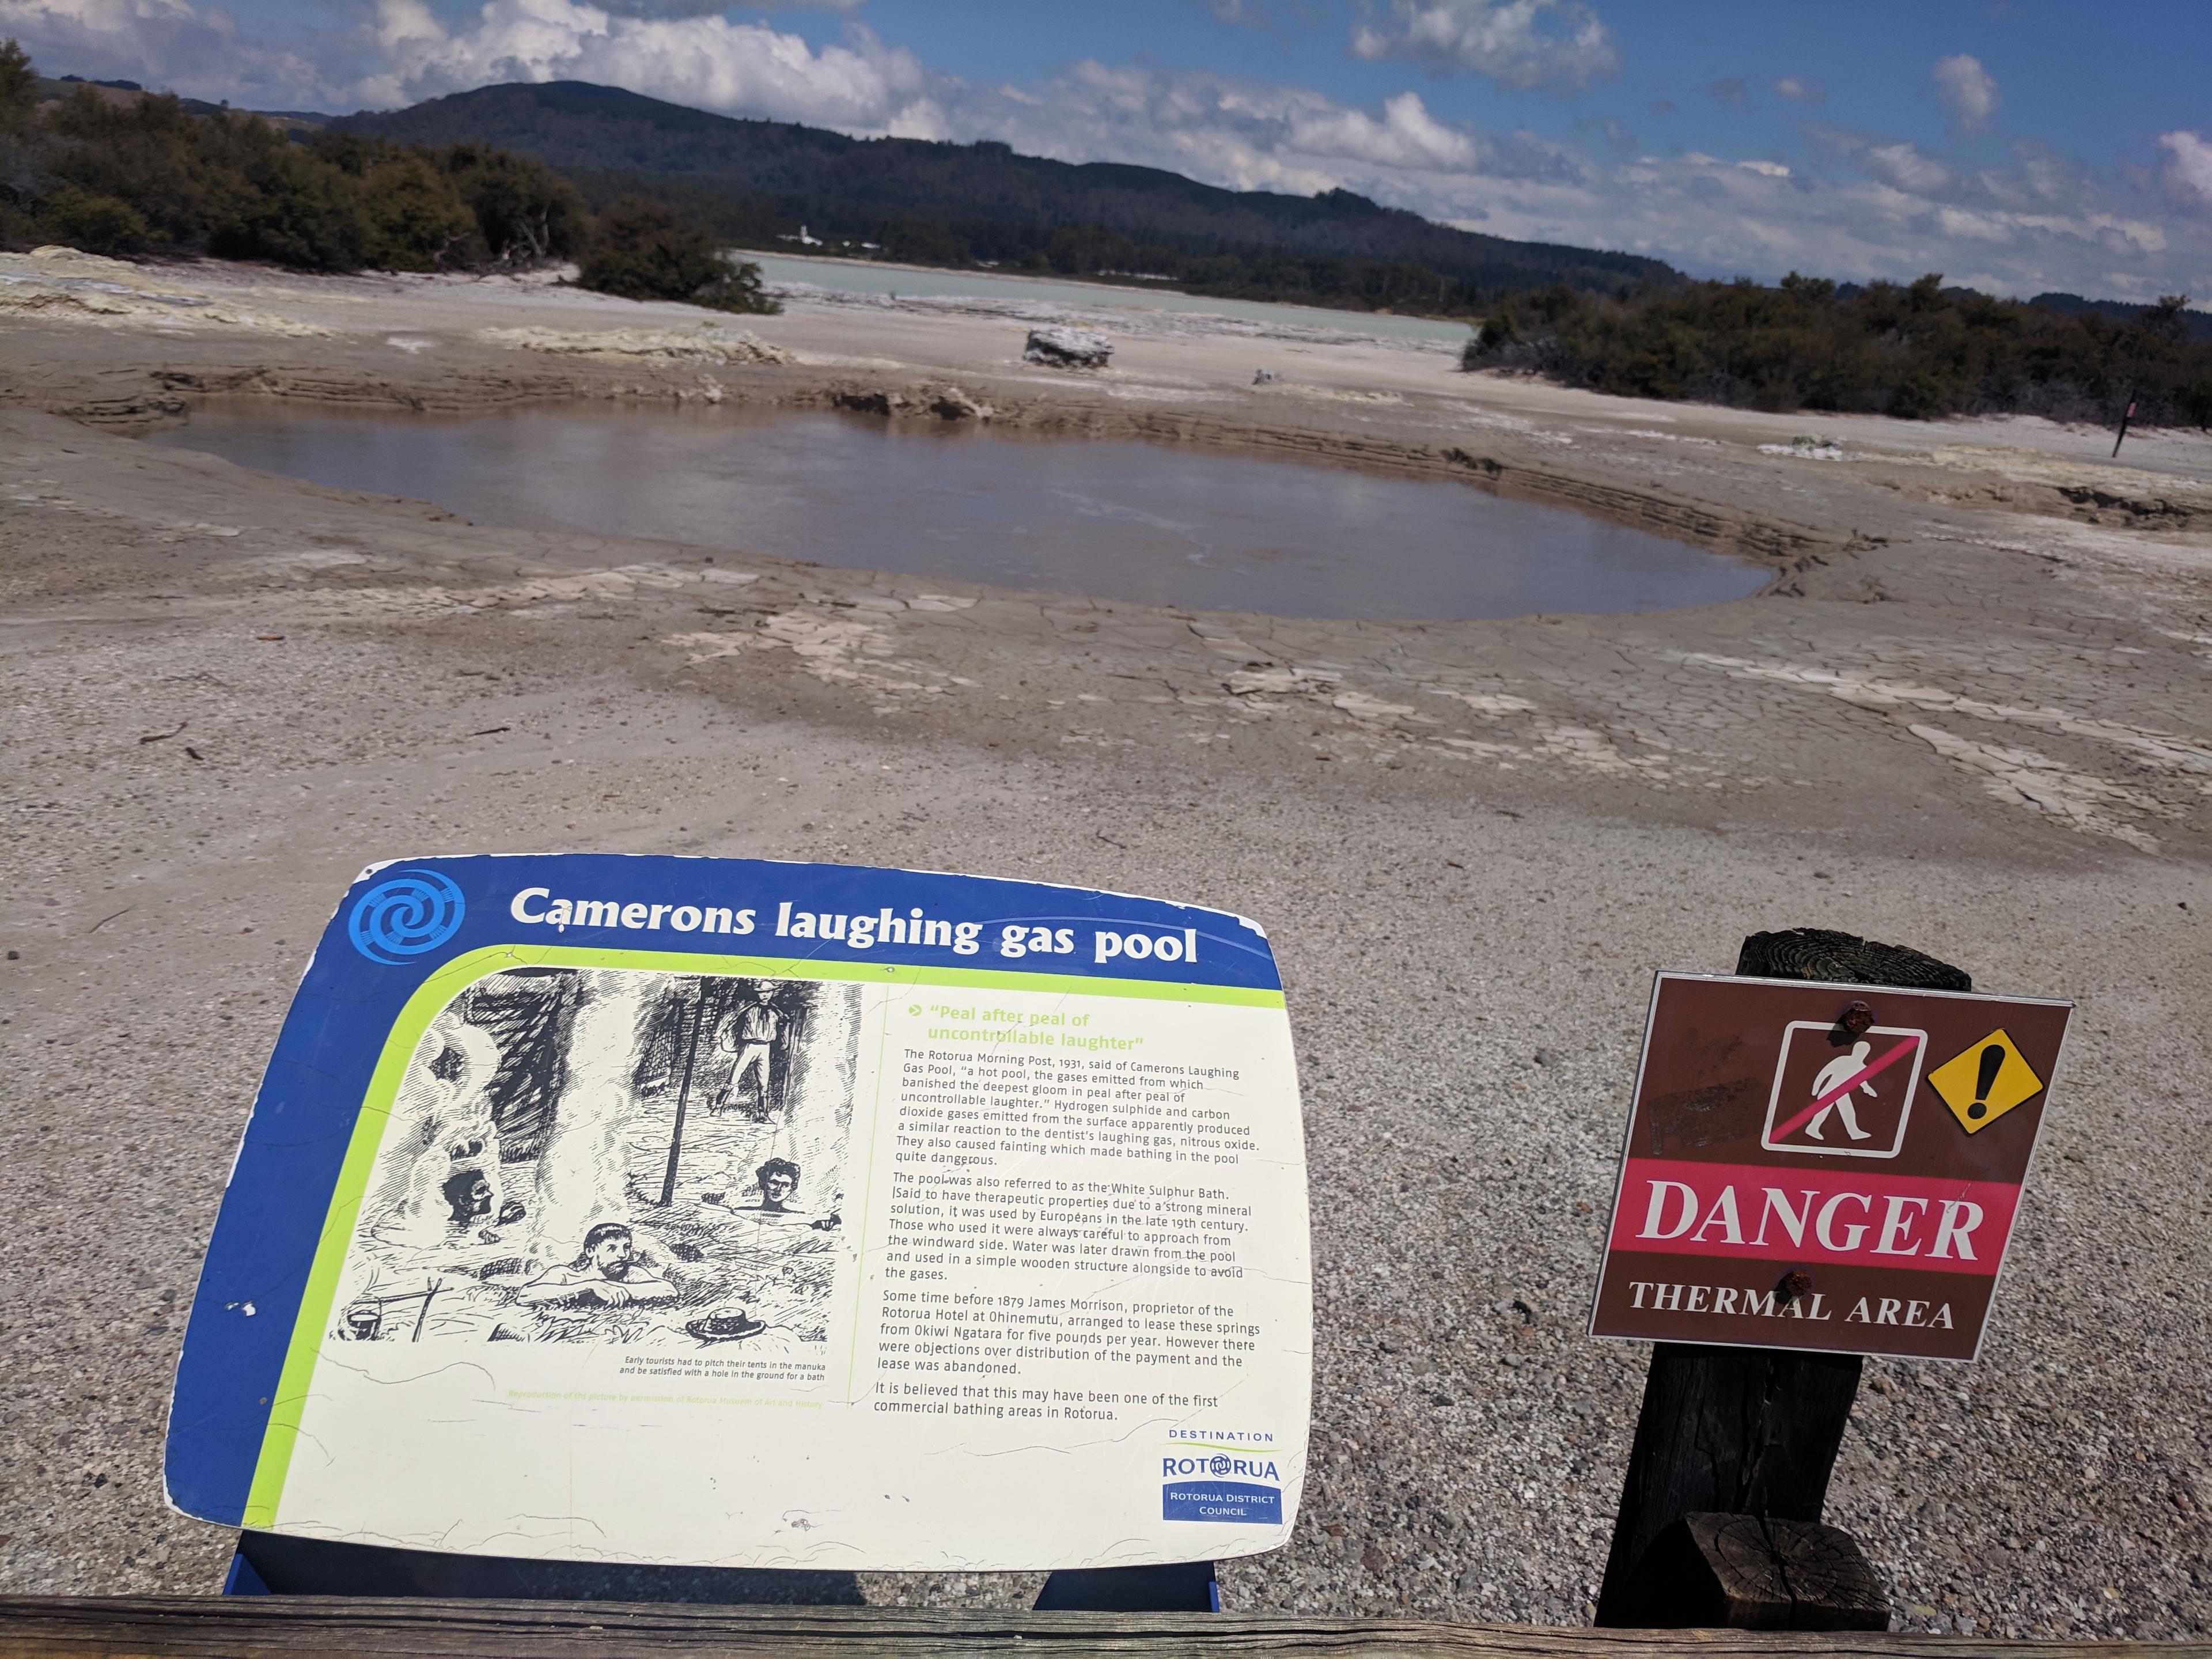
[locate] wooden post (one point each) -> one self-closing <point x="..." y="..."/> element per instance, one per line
<point x="1736" y="1430"/>
<point x="1744" y="1432"/>
<point x="683" y="1100"/>
<point x="1755" y="1572"/>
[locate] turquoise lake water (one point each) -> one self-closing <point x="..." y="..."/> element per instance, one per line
<point x="861" y="276"/>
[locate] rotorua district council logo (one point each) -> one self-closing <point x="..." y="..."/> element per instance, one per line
<point x="405" y="915"/>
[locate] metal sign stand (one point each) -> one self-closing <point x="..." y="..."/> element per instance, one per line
<point x="271" y="1564"/>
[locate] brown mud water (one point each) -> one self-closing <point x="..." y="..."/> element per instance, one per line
<point x="1154" y="523"/>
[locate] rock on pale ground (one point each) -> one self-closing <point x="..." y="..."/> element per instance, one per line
<point x="704" y="343"/>
<point x="1067" y="348"/>
<point x="1969" y="714"/>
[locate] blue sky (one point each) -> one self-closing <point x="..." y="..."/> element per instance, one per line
<point x="2066" y="79"/>
<point x="2014" y="144"/>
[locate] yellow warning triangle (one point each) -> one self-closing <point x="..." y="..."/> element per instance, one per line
<point x="1984" y="1081"/>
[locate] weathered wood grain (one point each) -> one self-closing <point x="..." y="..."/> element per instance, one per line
<point x="315" y="1627"/>
<point x="1756" y="1572"/>
<point x="1735" y="1430"/>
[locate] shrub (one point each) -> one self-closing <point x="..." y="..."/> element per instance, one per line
<point x="526" y="213"/>
<point x="1919" y="396"/>
<point x="272" y="200"/>
<point x="416" y="219"/>
<point x="739" y="289"/>
<point x="643" y="250"/>
<point x="146" y="172"/>
<point x="97" y="224"/>
<point x="1918" y="351"/>
<point x="19" y="85"/>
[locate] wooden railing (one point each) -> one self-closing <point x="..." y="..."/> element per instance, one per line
<point x="316" y="1627"/>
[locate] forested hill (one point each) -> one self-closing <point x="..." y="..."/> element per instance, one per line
<point x="950" y="204"/>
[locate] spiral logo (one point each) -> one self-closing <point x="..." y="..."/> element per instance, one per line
<point x="1220" y="1466"/>
<point x="404" y="915"/>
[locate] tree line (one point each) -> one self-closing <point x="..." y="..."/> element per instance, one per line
<point x="1093" y="252"/>
<point x="143" y="173"/>
<point x="1915" y="350"/>
<point x="1342" y="282"/>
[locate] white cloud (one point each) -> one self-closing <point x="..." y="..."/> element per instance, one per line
<point x="1560" y="44"/>
<point x="1799" y="91"/>
<point x="1904" y="165"/>
<point x="161" y="43"/>
<point x="1252" y="135"/>
<point x="702" y="7"/>
<point x="2187" y="170"/>
<point x="405" y="52"/>
<point x="861" y="86"/>
<point x="1968" y="88"/>
<point x="1407" y="136"/>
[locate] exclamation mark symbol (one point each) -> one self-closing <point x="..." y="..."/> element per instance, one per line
<point x="1993" y="1059"/>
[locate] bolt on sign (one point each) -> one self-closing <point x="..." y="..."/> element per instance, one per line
<point x="715" y="1212"/>
<point x="1830" y="1167"/>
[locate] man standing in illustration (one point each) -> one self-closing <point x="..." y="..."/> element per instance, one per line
<point x="1832" y="1076"/>
<point x="606" y="1272"/>
<point x="753" y="1034"/>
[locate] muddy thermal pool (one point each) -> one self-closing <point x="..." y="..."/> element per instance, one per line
<point x="1111" y="518"/>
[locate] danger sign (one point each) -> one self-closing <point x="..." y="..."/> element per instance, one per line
<point x="1832" y="1167"/>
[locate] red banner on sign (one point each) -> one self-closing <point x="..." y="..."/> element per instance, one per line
<point x="1676" y="1207"/>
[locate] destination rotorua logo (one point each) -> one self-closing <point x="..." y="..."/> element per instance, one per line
<point x="1221" y="1486"/>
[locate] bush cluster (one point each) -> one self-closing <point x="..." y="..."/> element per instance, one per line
<point x="145" y="174"/>
<point x="645" y="249"/>
<point x="1916" y="350"/>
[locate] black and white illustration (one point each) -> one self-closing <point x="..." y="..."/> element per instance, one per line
<point x="608" y="1155"/>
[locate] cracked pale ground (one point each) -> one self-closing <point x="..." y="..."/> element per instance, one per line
<point x="1968" y="714"/>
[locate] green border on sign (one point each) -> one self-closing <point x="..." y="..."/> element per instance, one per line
<point x="289" y="1404"/>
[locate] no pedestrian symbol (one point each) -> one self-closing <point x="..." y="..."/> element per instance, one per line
<point x="1984" y="1081"/>
<point x="1844" y="1099"/>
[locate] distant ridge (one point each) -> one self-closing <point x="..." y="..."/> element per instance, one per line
<point x="2195" y="325"/>
<point x="756" y="181"/>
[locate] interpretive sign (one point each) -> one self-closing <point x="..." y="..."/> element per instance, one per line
<point x="1833" y="1167"/>
<point x="712" y="1212"/>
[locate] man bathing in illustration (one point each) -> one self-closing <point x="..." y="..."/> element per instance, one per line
<point x="779" y="1186"/>
<point x="468" y="1196"/>
<point x="606" y="1272"/>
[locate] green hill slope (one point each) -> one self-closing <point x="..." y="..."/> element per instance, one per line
<point x="952" y="204"/>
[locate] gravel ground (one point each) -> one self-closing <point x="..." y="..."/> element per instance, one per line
<point x="1468" y="907"/>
